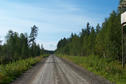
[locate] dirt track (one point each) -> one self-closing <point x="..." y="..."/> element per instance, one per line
<point x="54" y="71"/>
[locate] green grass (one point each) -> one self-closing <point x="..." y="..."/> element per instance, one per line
<point x="107" y="68"/>
<point x="10" y="71"/>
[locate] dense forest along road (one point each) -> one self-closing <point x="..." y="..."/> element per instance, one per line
<point x="52" y="71"/>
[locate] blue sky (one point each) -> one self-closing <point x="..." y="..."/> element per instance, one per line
<point x="55" y="18"/>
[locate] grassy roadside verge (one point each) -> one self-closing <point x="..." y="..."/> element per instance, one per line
<point x="10" y="71"/>
<point x="104" y="67"/>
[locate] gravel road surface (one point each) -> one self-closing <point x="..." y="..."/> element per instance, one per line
<point x="55" y="71"/>
<point x="52" y="71"/>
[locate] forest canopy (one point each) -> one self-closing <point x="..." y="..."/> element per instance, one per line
<point x="104" y="40"/>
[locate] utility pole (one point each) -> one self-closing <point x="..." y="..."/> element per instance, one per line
<point x="122" y="47"/>
<point x="122" y="8"/>
<point x="123" y="22"/>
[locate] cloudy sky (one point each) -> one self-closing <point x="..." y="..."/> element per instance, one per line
<point x="55" y="18"/>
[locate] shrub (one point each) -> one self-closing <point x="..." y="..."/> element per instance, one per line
<point x="10" y="71"/>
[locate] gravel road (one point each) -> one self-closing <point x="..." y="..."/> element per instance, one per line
<point x="54" y="70"/>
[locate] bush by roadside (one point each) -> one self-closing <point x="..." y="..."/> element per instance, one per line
<point x="10" y="71"/>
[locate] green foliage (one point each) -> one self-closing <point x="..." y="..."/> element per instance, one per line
<point x="10" y="71"/>
<point x="104" y="41"/>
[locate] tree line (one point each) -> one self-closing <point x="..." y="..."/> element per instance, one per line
<point x="20" y="46"/>
<point x="104" y="40"/>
